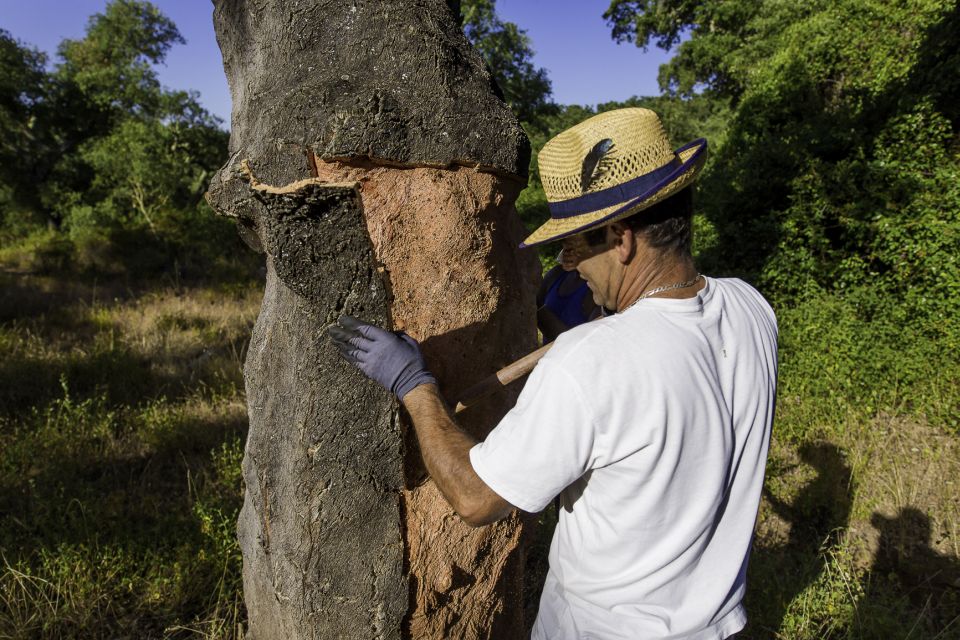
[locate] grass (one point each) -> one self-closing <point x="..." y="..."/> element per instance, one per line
<point x="122" y="420"/>
<point x="858" y="535"/>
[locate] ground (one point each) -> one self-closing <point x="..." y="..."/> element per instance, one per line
<point x="121" y="426"/>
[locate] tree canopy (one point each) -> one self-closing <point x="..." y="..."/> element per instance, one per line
<point x="96" y="142"/>
<point x="23" y="87"/>
<point x="833" y="184"/>
<point x="508" y="53"/>
<point x="832" y="100"/>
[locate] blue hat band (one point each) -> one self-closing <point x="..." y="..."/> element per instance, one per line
<point x="627" y="191"/>
<point x="616" y="194"/>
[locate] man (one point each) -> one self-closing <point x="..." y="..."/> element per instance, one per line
<point x="652" y="423"/>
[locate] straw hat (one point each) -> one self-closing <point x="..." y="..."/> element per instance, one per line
<point x="609" y="167"/>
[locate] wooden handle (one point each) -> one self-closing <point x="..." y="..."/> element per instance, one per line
<point x="493" y="383"/>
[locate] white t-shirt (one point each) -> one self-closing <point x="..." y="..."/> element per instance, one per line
<point x="654" y="424"/>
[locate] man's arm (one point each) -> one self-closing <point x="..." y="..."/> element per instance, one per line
<point x="446" y="452"/>
<point x="394" y="361"/>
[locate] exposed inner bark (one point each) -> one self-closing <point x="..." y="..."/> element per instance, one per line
<point x="447" y="239"/>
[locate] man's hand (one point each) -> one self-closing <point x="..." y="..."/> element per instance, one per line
<point x="391" y="359"/>
<point x="394" y="360"/>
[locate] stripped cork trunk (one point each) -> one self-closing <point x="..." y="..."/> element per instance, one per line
<point x="374" y="165"/>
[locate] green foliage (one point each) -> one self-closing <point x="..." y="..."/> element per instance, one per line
<point x="834" y="185"/>
<point x="23" y="87"/>
<point x="837" y="601"/>
<point x="715" y="28"/>
<point x="105" y="149"/>
<point x="111" y="68"/>
<point x="152" y="150"/>
<point x="507" y="51"/>
<point x="143" y="169"/>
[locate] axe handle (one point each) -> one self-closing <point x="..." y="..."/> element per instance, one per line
<point x="497" y="381"/>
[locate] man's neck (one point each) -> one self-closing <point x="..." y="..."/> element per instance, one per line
<point x="650" y="269"/>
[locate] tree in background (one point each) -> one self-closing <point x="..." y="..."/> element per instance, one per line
<point x="833" y="103"/>
<point x="23" y="88"/>
<point x="131" y="150"/>
<point x="508" y="52"/>
<point x="111" y="67"/>
<point x="97" y="146"/>
<point x="713" y="28"/>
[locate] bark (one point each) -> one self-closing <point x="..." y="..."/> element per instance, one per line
<point x="375" y="166"/>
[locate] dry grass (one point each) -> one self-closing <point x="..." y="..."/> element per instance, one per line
<point x="857" y="535"/>
<point x="121" y="428"/>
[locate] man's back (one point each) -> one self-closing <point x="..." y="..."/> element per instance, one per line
<point x="655" y="424"/>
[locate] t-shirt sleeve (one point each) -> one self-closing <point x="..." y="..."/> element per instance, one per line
<point x="542" y="445"/>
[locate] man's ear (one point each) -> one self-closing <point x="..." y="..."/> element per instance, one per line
<point x="624" y="242"/>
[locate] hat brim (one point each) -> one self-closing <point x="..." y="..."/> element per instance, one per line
<point x="692" y="156"/>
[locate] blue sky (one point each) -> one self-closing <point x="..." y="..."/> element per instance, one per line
<point x="570" y="39"/>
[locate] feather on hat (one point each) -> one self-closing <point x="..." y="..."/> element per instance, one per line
<point x="608" y="167"/>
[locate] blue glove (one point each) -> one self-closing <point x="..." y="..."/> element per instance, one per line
<point x="391" y="359"/>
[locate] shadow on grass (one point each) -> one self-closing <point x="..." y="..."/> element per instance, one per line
<point x="810" y="585"/>
<point x="118" y="535"/>
<point x="905" y="563"/>
<point x="123" y="376"/>
<point x="816" y="516"/>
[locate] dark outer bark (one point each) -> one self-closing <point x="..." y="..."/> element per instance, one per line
<point x="335" y="544"/>
<point x="319" y="525"/>
<point x="391" y="80"/>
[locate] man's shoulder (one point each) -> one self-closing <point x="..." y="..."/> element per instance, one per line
<point x="599" y="345"/>
<point x="736" y="285"/>
<point x="737" y="291"/>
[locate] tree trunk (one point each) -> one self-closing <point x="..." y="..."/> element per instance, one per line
<point x="374" y="164"/>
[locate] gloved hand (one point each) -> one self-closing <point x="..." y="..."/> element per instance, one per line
<point x="391" y="359"/>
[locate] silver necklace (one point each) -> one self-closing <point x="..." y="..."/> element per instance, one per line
<point x="669" y="287"/>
